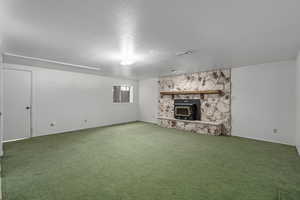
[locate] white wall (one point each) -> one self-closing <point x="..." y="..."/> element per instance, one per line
<point x="298" y="105"/>
<point x="1" y="103"/>
<point x="263" y="99"/>
<point x="69" y="98"/>
<point x="148" y="100"/>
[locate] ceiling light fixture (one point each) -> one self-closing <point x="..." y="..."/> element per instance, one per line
<point x="127" y="59"/>
<point x="51" y="61"/>
<point x="127" y="62"/>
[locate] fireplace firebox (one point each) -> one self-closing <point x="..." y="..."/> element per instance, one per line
<point x="187" y="109"/>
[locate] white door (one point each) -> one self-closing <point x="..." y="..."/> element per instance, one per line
<point x="17" y="104"/>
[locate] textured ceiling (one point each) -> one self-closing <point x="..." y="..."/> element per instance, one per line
<point x="221" y="33"/>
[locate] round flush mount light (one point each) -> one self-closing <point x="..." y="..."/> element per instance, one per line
<point x="127" y="62"/>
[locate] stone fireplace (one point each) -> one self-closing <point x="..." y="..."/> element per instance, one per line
<point x="211" y="88"/>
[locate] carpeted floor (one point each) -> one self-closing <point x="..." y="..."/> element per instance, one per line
<point x="140" y="161"/>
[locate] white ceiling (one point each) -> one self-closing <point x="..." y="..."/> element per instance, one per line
<point x="222" y="33"/>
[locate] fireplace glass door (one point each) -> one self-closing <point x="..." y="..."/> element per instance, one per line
<point x="183" y="111"/>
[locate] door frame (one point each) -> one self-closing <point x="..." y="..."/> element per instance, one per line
<point x="31" y="100"/>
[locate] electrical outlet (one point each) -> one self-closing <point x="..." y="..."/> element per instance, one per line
<point x="275" y="130"/>
<point x="85" y="120"/>
<point x="52" y="124"/>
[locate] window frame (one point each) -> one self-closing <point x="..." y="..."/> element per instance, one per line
<point x="131" y="95"/>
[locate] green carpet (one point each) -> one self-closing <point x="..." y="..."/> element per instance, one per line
<point x="140" y="161"/>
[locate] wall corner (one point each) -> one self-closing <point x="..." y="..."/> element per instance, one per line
<point x="297" y="134"/>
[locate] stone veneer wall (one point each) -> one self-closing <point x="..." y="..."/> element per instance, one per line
<point x="214" y="107"/>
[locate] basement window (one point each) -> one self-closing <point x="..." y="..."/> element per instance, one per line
<point x="122" y="94"/>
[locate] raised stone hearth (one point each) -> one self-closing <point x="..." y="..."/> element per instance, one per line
<point x="215" y="108"/>
<point x="209" y="128"/>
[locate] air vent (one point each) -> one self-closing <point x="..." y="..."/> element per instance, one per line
<point x="183" y="53"/>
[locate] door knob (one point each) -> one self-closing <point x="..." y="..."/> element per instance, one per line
<point x="27" y="107"/>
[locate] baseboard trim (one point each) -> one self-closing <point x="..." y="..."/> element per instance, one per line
<point x="149" y="122"/>
<point x="14" y="140"/>
<point x="262" y="139"/>
<point x="71" y="130"/>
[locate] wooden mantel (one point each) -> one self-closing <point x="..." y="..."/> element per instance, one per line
<point x="191" y="92"/>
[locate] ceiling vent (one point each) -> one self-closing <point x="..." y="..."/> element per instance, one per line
<point x="184" y="53"/>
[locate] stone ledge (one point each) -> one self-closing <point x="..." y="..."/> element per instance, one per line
<point x="201" y="127"/>
<point x="192" y="121"/>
